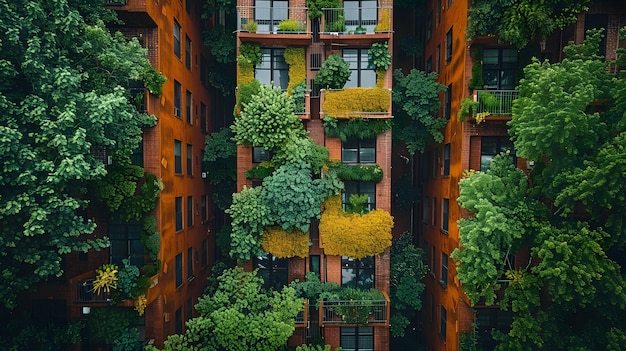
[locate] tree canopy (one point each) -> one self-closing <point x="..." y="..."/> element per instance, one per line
<point x="239" y="315"/>
<point x="568" y="212"/>
<point x="63" y="79"/>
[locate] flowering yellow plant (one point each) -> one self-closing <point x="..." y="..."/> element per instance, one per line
<point x="106" y="278"/>
<point x="354" y="235"/>
<point x="284" y="244"/>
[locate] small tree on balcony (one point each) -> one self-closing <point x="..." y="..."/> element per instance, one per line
<point x="334" y="73"/>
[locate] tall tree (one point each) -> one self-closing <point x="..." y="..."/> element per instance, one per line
<point x="62" y="94"/>
<point x="570" y="119"/>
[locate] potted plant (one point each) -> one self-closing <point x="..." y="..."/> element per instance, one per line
<point x="251" y="26"/>
<point x="360" y="30"/>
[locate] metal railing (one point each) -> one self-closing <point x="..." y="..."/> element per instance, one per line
<point x="115" y="2"/>
<point x="354" y="312"/>
<point x="495" y="102"/>
<point x="266" y="20"/>
<point x="303" y="316"/>
<point x="84" y="293"/>
<point x="359" y="20"/>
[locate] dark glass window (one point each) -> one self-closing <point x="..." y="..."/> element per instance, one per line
<point x="189" y="106"/>
<point x="178" y="204"/>
<point x="125" y="238"/>
<point x="187" y="52"/>
<point x="491" y="146"/>
<point x="177" y="98"/>
<point x="363" y="72"/>
<point x="442" y="323"/>
<point x="189" y="211"/>
<point x="434" y="211"/>
<point x="359" y="188"/>
<point x="358" y="151"/>
<point x="273" y="270"/>
<point x="444" y="269"/>
<point x="446" y="159"/>
<point x="269" y="13"/>
<point x="447" y="106"/>
<point x="445" y="215"/>
<point x="178" y="320"/>
<point x="315" y="264"/>
<point x="178" y="157"/>
<point x="273" y="70"/>
<point x="190" y="264"/>
<point x="176" y="39"/>
<point x="260" y="154"/>
<point x="189" y="157"/>
<point x="499" y="68"/>
<point x="362" y="13"/>
<point x="449" y="45"/>
<point x="179" y="270"/>
<point x="204" y="252"/>
<point x="357" y="339"/>
<point x="357" y="273"/>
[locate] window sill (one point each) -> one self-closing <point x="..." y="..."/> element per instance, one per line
<point x="443" y="231"/>
<point x="443" y="285"/>
<point x="191" y="279"/>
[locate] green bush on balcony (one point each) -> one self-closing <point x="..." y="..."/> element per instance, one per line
<point x="380" y="56"/>
<point x="334" y="73"/>
<point x="468" y="106"/>
<point x="298" y="93"/>
<point x="359" y="128"/>
<point x="291" y="25"/>
<point x="489" y="101"/>
<point x="357" y="305"/>
<point x="364" y="173"/>
<point x="344" y="103"/>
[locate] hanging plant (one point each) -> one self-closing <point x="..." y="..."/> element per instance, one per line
<point x="380" y="56"/>
<point x="359" y="128"/>
<point x="354" y="235"/>
<point x="284" y="244"/>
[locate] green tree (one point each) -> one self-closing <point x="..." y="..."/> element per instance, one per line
<point x="240" y="316"/>
<point x="520" y="21"/>
<point x="415" y="97"/>
<point x="220" y="161"/>
<point x="569" y="211"/>
<point x="62" y="94"/>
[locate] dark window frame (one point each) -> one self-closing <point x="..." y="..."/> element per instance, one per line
<point x="178" y="210"/>
<point x="177" y="35"/>
<point x="179" y="269"/>
<point x="276" y="275"/>
<point x="357" y="68"/>
<point x="178" y="156"/>
<point x="360" y="148"/>
<point x="359" y="188"/>
<point x="178" y="92"/>
<point x="445" y="215"/>
<point x="358" y="273"/>
<point x="189" y="159"/>
<point x="189" y="211"/>
<point x="188" y="57"/>
<point x="446" y="159"/>
<point x="449" y="43"/>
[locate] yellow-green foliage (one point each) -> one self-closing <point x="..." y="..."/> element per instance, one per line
<point x="344" y="103"/>
<point x="246" y="70"/>
<point x="353" y="235"/>
<point x="295" y="58"/>
<point x="284" y="244"/>
<point x="380" y="78"/>
<point x="384" y="25"/>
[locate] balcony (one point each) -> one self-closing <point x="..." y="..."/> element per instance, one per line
<point x="83" y="292"/>
<point x="355" y="312"/>
<point x="303" y="316"/>
<point x="271" y="25"/>
<point x="358" y="25"/>
<point x="356" y="103"/>
<point x="115" y="2"/>
<point x="497" y="103"/>
<point x="302" y="110"/>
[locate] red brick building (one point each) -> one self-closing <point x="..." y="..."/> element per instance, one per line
<point x="171" y="31"/>
<point x="319" y="39"/>
<point x="470" y="143"/>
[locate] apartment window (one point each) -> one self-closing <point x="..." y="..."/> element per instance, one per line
<point x="438" y="58"/>
<point x="189" y="211"/>
<point x="204" y="202"/>
<point x="447" y="109"/>
<point x="179" y="269"/>
<point x="446" y="159"/>
<point x="444" y="270"/>
<point x="363" y="72"/>
<point x="499" y="68"/>
<point x="189" y="156"/>
<point x="357" y="273"/>
<point x="178" y="320"/>
<point x="490" y="147"/>
<point x="204" y="256"/>
<point x="269" y="13"/>
<point x="445" y="215"/>
<point x="358" y="151"/>
<point x="273" y="70"/>
<point x="178" y="157"/>
<point x="429" y="64"/>
<point x="189" y="106"/>
<point x="125" y="239"/>
<point x="362" y="13"/>
<point x="314" y="264"/>
<point x="260" y="154"/>
<point x="357" y="339"/>
<point x="178" y="91"/>
<point x="273" y="270"/>
<point x="178" y="204"/>
<point x="190" y="276"/>
<point x="176" y="38"/>
<point x="203" y="121"/>
<point x="359" y="188"/>
<point x="442" y="323"/>
<point x="434" y="211"/>
<point x="187" y="52"/>
<point x="449" y="45"/>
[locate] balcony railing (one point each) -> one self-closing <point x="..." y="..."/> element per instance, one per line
<point x="357" y="20"/>
<point x="356" y="103"/>
<point x="355" y="312"/>
<point x="83" y="292"/>
<point x="303" y="316"/>
<point x="495" y="102"/>
<point x="266" y="20"/>
<point x="115" y="2"/>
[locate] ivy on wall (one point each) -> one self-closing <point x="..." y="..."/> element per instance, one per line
<point x="296" y="60"/>
<point x="354" y="235"/>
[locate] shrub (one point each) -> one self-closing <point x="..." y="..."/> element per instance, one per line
<point x="380" y="56"/>
<point x="246" y="92"/>
<point x="265" y="169"/>
<point x="291" y="25"/>
<point x="334" y="73"/>
<point x="296" y="60"/>
<point x="252" y="52"/>
<point x="246" y="70"/>
<point x="284" y="244"/>
<point x="468" y="106"/>
<point x="365" y="173"/>
<point x="360" y="128"/>
<point x="344" y="103"/>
